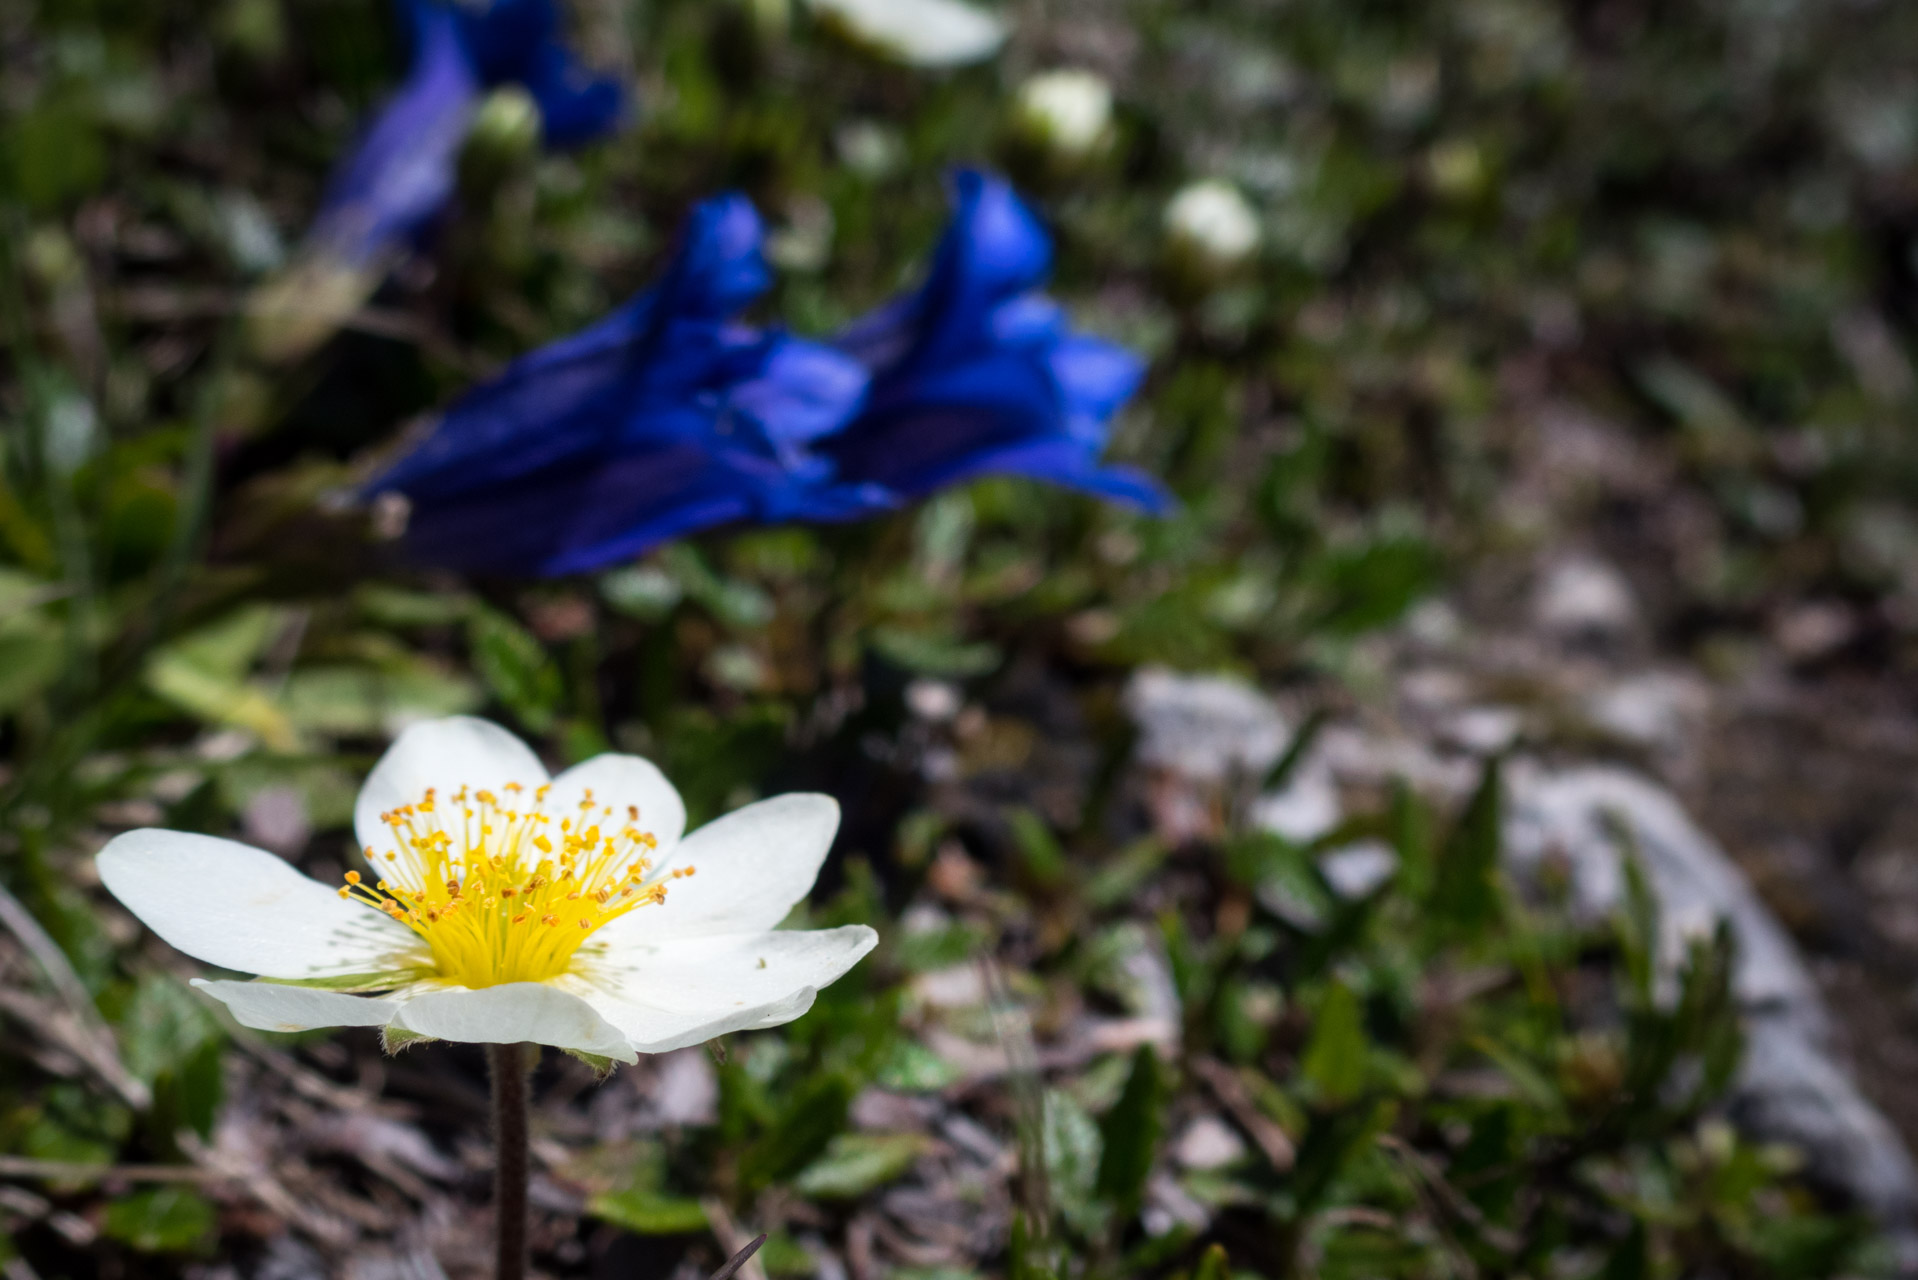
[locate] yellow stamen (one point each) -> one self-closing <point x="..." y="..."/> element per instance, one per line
<point x="471" y="877"/>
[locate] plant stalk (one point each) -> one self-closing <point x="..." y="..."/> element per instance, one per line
<point x="509" y="1065"/>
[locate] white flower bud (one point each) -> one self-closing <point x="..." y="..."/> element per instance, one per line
<point x="920" y="33"/>
<point x="1068" y="112"/>
<point x="1210" y="226"/>
<point x="507" y="122"/>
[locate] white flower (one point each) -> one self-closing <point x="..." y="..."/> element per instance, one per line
<point x="1068" y="111"/>
<point x="1212" y="223"/>
<point x="504" y="907"/>
<point x="921" y="33"/>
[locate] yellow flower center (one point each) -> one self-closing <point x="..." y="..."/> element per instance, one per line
<point x="502" y="891"/>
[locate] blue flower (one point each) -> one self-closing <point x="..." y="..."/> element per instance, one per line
<point x="402" y="173"/>
<point x="663" y="419"/>
<point x="976" y="374"/>
<point x="382" y="199"/>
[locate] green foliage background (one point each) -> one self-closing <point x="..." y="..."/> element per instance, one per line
<point x="1683" y="214"/>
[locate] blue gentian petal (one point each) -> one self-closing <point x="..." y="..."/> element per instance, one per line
<point x="402" y="172"/>
<point x="664" y="418"/>
<point x="399" y="177"/>
<point x="977" y="374"/>
<point x="584" y="392"/>
<point x="575" y="106"/>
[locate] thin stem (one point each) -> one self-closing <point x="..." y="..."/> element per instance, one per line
<point x="509" y="1065"/>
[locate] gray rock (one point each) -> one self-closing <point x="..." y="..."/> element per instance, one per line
<point x="1582" y="597"/>
<point x="1790" y="1090"/>
<point x="1356" y="869"/>
<point x="1589" y="815"/>
<point x="1206" y="728"/>
<point x="1790" y="1087"/>
<point x="1653" y="710"/>
<point x="1306" y="807"/>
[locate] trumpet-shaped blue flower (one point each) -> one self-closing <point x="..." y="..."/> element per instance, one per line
<point x="404" y="168"/>
<point x="385" y="195"/>
<point x="663" y="419"/>
<point x="977" y="374"/>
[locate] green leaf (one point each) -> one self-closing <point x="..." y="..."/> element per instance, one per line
<point x="647" y="1213"/>
<point x="163" y="1027"/>
<point x="855" y="1163"/>
<point x="1044" y="858"/>
<point x="204" y="674"/>
<point x="736" y="604"/>
<point x="1214" y="1265"/>
<point x="227" y="649"/>
<point x="645" y="592"/>
<point x="802" y="1130"/>
<point x="1335" y="1057"/>
<point x="356" y="701"/>
<point x="32" y="651"/>
<point x="1464" y="898"/>
<point x="516" y="668"/>
<point x="1130" y="1133"/>
<point x="910" y="1067"/>
<point x="393" y="1039"/>
<point x="935" y="654"/>
<point x="1073" y="1152"/>
<point x="162" y="1220"/>
<point x="56" y="154"/>
<point x="393" y="607"/>
<point x="602" y="1066"/>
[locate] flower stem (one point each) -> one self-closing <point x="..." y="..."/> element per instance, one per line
<point x="509" y="1065"/>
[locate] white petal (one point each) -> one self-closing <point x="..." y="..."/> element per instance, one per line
<point x="241" y="908"/>
<point x="617" y="782"/>
<point x="515" y="1012"/>
<point x="687" y="991"/>
<point x="267" y="1006"/>
<point x="735" y="971"/>
<point x="653" y="1030"/>
<point x="750" y="867"/>
<point x="447" y="755"/>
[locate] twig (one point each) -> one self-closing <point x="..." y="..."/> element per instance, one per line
<point x="1451" y="1197"/>
<point x="1231" y="1092"/>
<point x="78" y="1171"/>
<point x="740" y="1259"/>
<point x="741" y="1263"/>
<point x="96" y="1046"/>
<point x="260" y="1183"/>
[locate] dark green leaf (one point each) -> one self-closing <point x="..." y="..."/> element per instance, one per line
<point x="1131" y="1131"/>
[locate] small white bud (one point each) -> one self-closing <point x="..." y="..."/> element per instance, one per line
<point x="919" y="33"/>
<point x="1068" y="112"/>
<point x="1210" y="226"/>
<point x="507" y="122"/>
